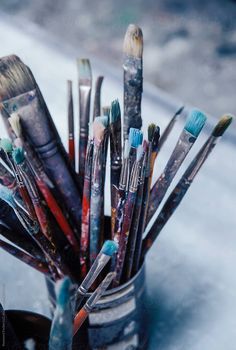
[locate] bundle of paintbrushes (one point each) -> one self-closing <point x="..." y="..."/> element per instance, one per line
<point x="52" y="203"/>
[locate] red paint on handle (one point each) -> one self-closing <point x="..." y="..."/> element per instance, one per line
<point x="71" y="146"/>
<point x="79" y="319"/>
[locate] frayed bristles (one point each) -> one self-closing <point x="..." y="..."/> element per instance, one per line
<point x="115" y="113"/>
<point x="222" y="125"/>
<point x="133" y="41"/>
<point x="84" y="69"/>
<point x="135" y="137"/>
<point x="127" y="149"/>
<point x="14" y="121"/>
<point x="151" y="130"/>
<point x="18" y="155"/>
<point x="15" y="78"/>
<point x="109" y="248"/>
<point x="139" y="153"/>
<point x="6" y="145"/>
<point x="99" y="126"/>
<point x="195" y="122"/>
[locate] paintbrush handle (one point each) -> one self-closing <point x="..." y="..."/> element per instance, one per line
<point x="178" y="194"/>
<point x="70" y="116"/>
<point x="25" y="257"/>
<point x="97" y="97"/>
<point x="79" y="319"/>
<point x="40" y="130"/>
<point x="158" y="191"/>
<point x="57" y="213"/>
<point x="123" y="240"/>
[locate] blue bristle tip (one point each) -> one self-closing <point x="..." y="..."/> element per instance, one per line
<point x="195" y="122"/>
<point x="135" y="137"/>
<point x="109" y="248"/>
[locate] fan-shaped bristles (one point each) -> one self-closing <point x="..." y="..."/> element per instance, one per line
<point x="15" y="78"/>
<point x="115" y="113"/>
<point x="133" y="41"/>
<point x="135" y="137"/>
<point x="195" y="122"/>
<point x="222" y="125"/>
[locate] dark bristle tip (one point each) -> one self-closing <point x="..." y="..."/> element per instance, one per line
<point x="156" y="138"/>
<point x="151" y="131"/>
<point x="222" y="125"/>
<point x="115" y="112"/>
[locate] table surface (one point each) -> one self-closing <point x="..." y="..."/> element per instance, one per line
<point x="191" y="268"/>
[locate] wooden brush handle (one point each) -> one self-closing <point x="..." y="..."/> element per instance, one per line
<point x="79" y="319"/>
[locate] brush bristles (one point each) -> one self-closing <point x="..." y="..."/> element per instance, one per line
<point x="18" y="155"/>
<point x="139" y="153"/>
<point x="106" y="110"/>
<point x="127" y="149"/>
<point x="15" y="78"/>
<point x="151" y="130"/>
<point x="135" y="137"/>
<point x="222" y="125"/>
<point x="6" y="145"/>
<point x="109" y="248"/>
<point x="99" y="126"/>
<point x="195" y="122"/>
<point x="7" y="195"/>
<point x="14" y="121"/>
<point x="133" y="41"/>
<point x="115" y="113"/>
<point x="155" y="140"/>
<point x="104" y="120"/>
<point x="84" y="69"/>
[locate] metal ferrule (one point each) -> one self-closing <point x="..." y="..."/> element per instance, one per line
<point x="84" y="97"/>
<point x="124" y="176"/>
<point x="134" y="177"/>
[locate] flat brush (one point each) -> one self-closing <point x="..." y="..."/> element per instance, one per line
<point x="109" y="248"/>
<point x="97" y="97"/>
<point x="100" y="128"/>
<point x="192" y="128"/>
<point x="70" y="117"/>
<point x="20" y="93"/>
<point x="185" y="182"/>
<point x="85" y="86"/>
<point x="127" y="217"/>
<point x="135" y="139"/>
<point x="133" y="78"/>
<point x="46" y="192"/>
<point x="91" y="302"/>
<point x="85" y="229"/>
<point x="169" y="127"/>
<point x="61" y="332"/>
<point x="26" y="258"/>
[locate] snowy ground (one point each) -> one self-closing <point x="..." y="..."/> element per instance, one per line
<point x="191" y="268"/>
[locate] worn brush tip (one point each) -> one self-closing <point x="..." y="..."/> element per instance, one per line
<point x="195" y="122"/>
<point x="63" y="291"/>
<point x="139" y="153"/>
<point x="151" y="130"/>
<point x="155" y="139"/>
<point x="135" y="137"/>
<point x="15" y="78"/>
<point x="99" y="126"/>
<point x="84" y="68"/>
<point x="18" y="155"/>
<point x="179" y="111"/>
<point x="6" y="145"/>
<point x="222" y="125"/>
<point x="104" y="120"/>
<point x="127" y="149"/>
<point x="133" y="41"/>
<point x="109" y="248"/>
<point x="14" y="121"/>
<point x="115" y="113"/>
<point x="6" y="195"/>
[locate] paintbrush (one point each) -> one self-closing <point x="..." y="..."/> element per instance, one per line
<point x="7" y="175"/>
<point x="39" y="177"/>
<point x="91" y="302"/>
<point x="153" y="138"/>
<point x="84" y="241"/>
<point x="135" y="139"/>
<point x="108" y="250"/>
<point x="85" y="86"/>
<point x="61" y="332"/>
<point x="133" y="78"/>
<point x="70" y="118"/>
<point x="106" y="110"/>
<point x="129" y="257"/>
<point x="26" y="258"/>
<point x="185" y="182"/>
<point x="100" y="128"/>
<point x="192" y="128"/>
<point x="127" y="217"/>
<point x="169" y="127"/>
<point x="20" y="93"/>
<point x="97" y="97"/>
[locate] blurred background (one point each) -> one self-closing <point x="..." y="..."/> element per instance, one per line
<point x="190" y="58"/>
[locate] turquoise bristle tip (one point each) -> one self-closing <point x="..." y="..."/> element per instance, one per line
<point x="135" y="137"/>
<point x="104" y="120"/>
<point x="6" y="144"/>
<point x="109" y="248"/>
<point x="195" y="122"/>
<point x="63" y="288"/>
<point x="7" y="195"/>
<point x="18" y="155"/>
<point x="115" y="113"/>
